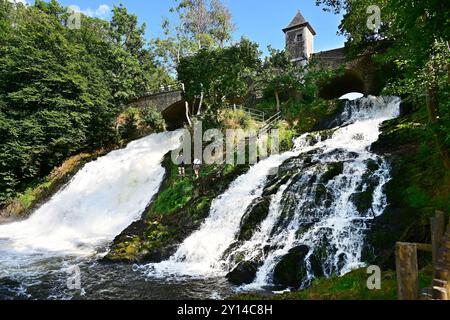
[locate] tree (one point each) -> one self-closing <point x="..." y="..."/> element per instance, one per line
<point x="220" y="74"/>
<point x="280" y="74"/>
<point x="415" y="40"/>
<point x="132" y="64"/>
<point x="61" y="90"/>
<point x="202" y="24"/>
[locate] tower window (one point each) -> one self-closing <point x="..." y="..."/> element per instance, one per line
<point x="298" y="37"/>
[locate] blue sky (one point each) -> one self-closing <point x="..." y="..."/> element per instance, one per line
<point x="259" y="20"/>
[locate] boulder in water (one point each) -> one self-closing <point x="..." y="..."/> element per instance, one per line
<point x="243" y="273"/>
<point x="253" y="218"/>
<point x="291" y="271"/>
<point x="333" y="170"/>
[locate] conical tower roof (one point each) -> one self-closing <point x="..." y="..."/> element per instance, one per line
<point x="299" y="21"/>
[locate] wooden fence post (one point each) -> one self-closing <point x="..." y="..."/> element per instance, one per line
<point x="407" y="271"/>
<point x="437" y="233"/>
<point x="440" y="290"/>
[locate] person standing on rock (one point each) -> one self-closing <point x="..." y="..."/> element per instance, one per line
<point x="181" y="166"/>
<point x="196" y="167"/>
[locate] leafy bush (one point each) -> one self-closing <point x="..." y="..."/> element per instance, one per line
<point x="153" y="119"/>
<point x="61" y="90"/>
<point x="236" y="119"/>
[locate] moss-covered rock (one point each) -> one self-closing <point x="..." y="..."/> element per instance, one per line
<point x="333" y="170"/>
<point x="420" y="185"/>
<point x="253" y="217"/>
<point x="178" y="209"/>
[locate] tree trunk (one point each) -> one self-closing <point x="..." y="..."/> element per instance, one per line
<point x="277" y="97"/>
<point x="187" y="113"/>
<point x="178" y="54"/>
<point x="433" y="115"/>
<point x="432" y="104"/>
<point x="200" y="104"/>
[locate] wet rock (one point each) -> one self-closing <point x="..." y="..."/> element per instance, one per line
<point x="321" y="194"/>
<point x="333" y="120"/>
<point x="333" y="170"/>
<point x="362" y="200"/>
<point x="253" y="218"/>
<point x="291" y="271"/>
<point x="243" y="273"/>
<point x="372" y="165"/>
<point x="273" y="187"/>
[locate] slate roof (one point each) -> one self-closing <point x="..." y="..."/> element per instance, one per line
<point x="299" y="21"/>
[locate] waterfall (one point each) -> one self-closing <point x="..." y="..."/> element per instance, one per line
<point x="101" y="200"/>
<point x="200" y="254"/>
<point x="320" y="212"/>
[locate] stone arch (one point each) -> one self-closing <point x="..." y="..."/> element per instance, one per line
<point x="350" y="81"/>
<point x="175" y="114"/>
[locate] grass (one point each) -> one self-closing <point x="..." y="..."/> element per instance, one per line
<point x="175" y="197"/>
<point x="352" y="286"/>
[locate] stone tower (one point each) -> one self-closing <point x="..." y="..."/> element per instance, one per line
<point x="300" y="38"/>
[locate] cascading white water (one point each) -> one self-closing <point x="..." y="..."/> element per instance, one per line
<point x="101" y="200"/>
<point x="340" y="227"/>
<point x="202" y="254"/>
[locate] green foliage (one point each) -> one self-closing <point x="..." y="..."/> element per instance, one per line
<point x="62" y="89"/>
<point x="221" y="74"/>
<point x="174" y="198"/>
<point x="153" y="119"/>
<point x="202" y="24"/>
<point x="130" y="128"/>
<point x="280" y="74"/>
<point x="236" y="119"/>
<point x="352" y="286"/>
<point x="136" y="122"/>
<point x="413" y="39"/>
<point x="421" y="182"/>
<point x="416" y="197"/>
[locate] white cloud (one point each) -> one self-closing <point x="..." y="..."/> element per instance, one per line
<point x="18" y="1"/>
<point x="103" y="11"/>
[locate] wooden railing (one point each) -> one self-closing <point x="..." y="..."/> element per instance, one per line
<point x="255" y="113"/>
<point x="260" y="116"/>
<point x="163" y="88"/>
<point x="407" y="265"/>
<point x="270" y="123"/>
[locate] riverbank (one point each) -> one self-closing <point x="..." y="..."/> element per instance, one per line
<point x="352" y="286"/>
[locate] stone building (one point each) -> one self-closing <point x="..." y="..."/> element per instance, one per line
<point x="300" y="39"/>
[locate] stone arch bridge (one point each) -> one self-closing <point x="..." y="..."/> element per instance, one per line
<point x="361" y="74"/>
<point x="167" y="99"/>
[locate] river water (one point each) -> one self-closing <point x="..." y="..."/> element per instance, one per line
<point x="69" y="234"/>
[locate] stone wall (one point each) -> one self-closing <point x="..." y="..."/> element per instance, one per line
<point x="161" y="101"/>
<point x="362" y="66"/>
